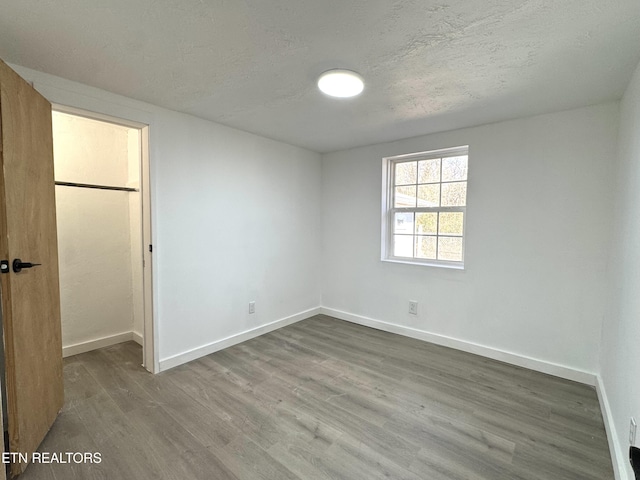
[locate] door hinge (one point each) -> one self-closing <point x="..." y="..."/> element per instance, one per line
<point x="150" y="248"/>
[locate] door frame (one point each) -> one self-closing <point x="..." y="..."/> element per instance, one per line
<point x="150" y="359"/>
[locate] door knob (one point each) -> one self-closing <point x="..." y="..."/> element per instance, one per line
<point x="18" y="265"/>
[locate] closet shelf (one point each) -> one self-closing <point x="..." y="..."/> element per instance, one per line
<point x="99" y="187"/>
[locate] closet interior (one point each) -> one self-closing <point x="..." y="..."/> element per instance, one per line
<point x="99" y="220"/>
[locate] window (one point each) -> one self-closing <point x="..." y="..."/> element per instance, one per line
<point x="424" y="207"/>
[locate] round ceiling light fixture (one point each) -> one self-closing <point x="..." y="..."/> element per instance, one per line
<point x="341" y="83"/>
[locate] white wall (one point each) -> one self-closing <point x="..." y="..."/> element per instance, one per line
<point x="237" y="220"/>
<point x="235" y="217"/>
<point x="94" y="234"/>
<point x="620" y="351"/>
<point x="539" y="203"/>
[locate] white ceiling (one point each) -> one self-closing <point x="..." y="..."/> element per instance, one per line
<point x="428" y="65"/>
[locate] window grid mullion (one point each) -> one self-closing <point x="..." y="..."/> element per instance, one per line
<point x="428" y="209"/>
<point x="414" y="215"/>
<point x="438" y="223"/>
<point x="413" y="236"/>
<point x="426" y="183"/>
<point x="414" y="239"/>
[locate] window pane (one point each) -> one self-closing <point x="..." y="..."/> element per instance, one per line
<point x="451" y="223"/>
<point x="426" y="247"/>
<point x="429" y="195"/>
<point x="403" y="246"/>
<point x="450" y="249"/>
<point x="403" y="223"/>
<point x="426" y="223"/>
<point x="429" y="171"/>
<point x="454" y="168"/>
<point x="406" y="173"/>
<point x="405" y="197"/>
<point x="454" y="194"/>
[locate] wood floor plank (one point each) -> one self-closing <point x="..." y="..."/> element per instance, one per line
<point x="201" y="422"/>
<point x="69" y="434"/>
<point x="454" y="434"/>
<point x="324" y="399"/>
<point x="301" y="460"/>
<point x="350" y="454"/>
<point x="179" y="454"/>
<point x="127" y="394"/>
<point x="250" y="462"/>
<point x="79" y="385"/>
<point x="396" y="448"/>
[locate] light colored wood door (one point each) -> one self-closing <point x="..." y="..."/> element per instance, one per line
<point x="31" y="298"/>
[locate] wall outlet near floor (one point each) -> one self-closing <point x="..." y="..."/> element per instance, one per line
<point x="413" y="307"/>
<point x="633" y="426"/>
<point x="252" y="307"/>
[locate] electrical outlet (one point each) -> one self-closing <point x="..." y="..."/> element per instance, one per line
<point x="413" y="307"/>
<point x="632" y="431"/>
<point x="252" y="307"/>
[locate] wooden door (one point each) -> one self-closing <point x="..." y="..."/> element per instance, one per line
<point x="30" y="298"/>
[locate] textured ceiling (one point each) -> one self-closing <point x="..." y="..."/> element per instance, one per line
<point x="428" y="65"/>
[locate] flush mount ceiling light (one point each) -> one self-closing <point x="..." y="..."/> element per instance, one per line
<point x="341" y="83"/>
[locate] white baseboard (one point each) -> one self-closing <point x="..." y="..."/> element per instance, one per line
<point x="489" y="352"/>
<point x="618" y="457"/>
<point x="137" y="337"/>
<point x="212" y="347"/>
<point x="89" y="345"/>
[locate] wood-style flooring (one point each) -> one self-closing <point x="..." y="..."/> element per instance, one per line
<point x="324" y="399"/>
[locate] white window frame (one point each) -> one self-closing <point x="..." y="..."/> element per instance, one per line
<point x="388" y="210"/>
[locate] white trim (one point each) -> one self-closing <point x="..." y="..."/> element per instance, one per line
<point x="80" y="112"/>
<point x="138" y="338"/>
<point x="389" y="210"/>
<point x="102" y="342"/>
<point x="618" y="456"/>
<point x="150" y="353"/>
<point x="204" y="350"/>
<point x="543" y="366"/>
<point x="151" y="339"/>
<point x="426" y="263"/>
<point x="431" y="154"/>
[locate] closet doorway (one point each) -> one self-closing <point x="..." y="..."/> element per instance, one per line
<point x="104" y="231"/>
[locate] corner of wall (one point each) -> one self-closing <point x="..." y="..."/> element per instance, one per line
<point x="580" y="376"/>
<point x="618" y="457"/>
<point x="212" y="347"/>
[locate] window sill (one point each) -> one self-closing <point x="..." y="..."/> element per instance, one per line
<point x="425" y="264"/>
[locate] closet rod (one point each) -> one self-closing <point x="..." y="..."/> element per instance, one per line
<point x="100" y="187"/>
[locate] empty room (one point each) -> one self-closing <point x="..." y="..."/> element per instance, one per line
<point x="320" y="240"/>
